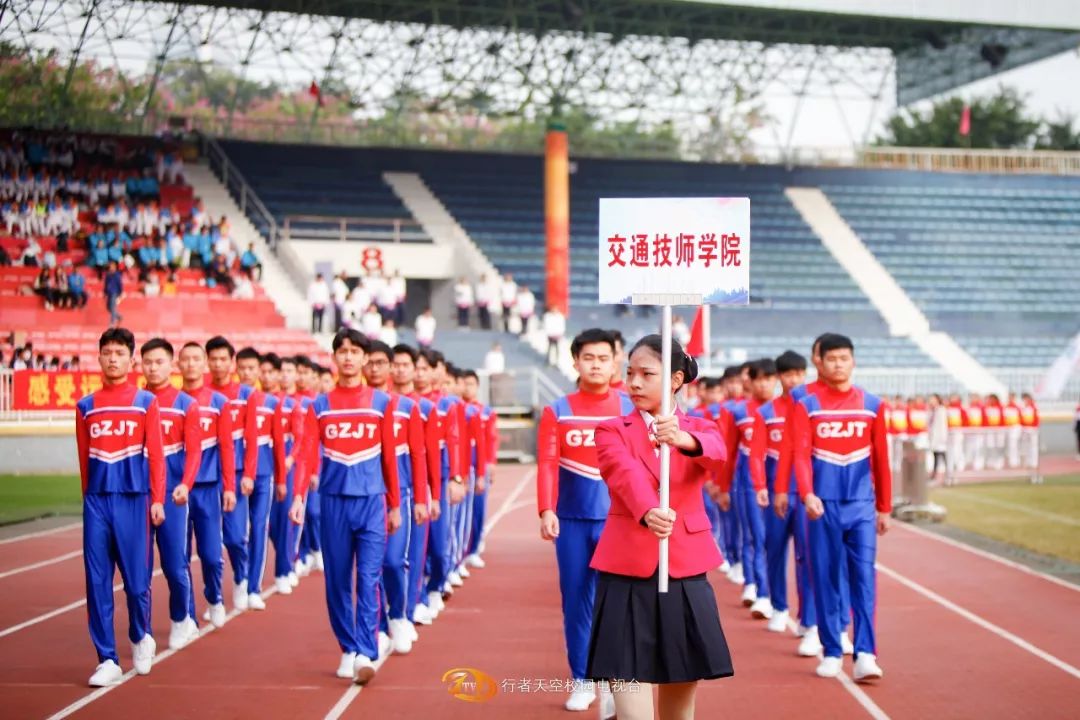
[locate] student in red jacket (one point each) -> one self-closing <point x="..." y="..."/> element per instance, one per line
<point x="672" y="639"/>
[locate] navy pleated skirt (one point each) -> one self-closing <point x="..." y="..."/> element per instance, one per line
<point x="639" y="634"/>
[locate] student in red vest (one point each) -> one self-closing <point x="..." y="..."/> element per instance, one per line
<point x="995" y="432"/>
<point x="672" y="639"/>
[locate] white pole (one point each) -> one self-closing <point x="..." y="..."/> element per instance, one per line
<point x="665" y="449"/>
<point x="706" y="335"/>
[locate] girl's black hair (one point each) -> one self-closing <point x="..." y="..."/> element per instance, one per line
<point x="680" y="361"/>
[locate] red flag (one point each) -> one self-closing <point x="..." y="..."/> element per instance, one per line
<point x="965" y="121"/>
<point x="316" y="92"/>
<point x="696" y="346"/>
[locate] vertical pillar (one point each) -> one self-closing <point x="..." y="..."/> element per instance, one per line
<point x="557" y="217"/>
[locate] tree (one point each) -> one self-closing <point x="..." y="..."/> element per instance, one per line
<point x="998" y="121"/>
<point x="1059" y="135"/>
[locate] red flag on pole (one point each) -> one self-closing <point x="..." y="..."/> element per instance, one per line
<point x="965" y="121"/>
<point x="316" y="92"/>
<point x="696" y="346"/>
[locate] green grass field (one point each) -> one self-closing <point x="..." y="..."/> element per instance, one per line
<point x="1042" y="518"/>
<point x="24" y="497"/>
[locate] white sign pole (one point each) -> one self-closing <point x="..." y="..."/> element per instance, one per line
<point x="665" y="449"/>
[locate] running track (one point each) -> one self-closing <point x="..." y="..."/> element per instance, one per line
<point x="961" y="635"/>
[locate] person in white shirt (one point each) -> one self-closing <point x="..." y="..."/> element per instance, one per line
<point x="398" y="283"/>
<point x="939" y="437"/>
<point x="340" y="291"/>
<point x="463" y="299"/>
<point x="425" y="328"/>
<point x="318" y="296"/>
<point x="371" y="323"/>
<point x="360" y="298"/>
<point x="484" y="299"/>
<point x="387" y="301"/>
<point x="508" y="292"/>
<point x="680" y="331"/>
<point x="554" y="323"/>
<point x="495" y="361"/>
<point x="526" y="307"/>
<point x="388" y="333"/>
<point x="244" y="290"/>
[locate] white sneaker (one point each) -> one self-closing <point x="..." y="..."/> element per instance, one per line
<point x="385" y="645"/>
<point x="400" y="636"/>
<point x="142" y="654"/>
<point x="802" y="630"/>
<point x="749" y="595"/>
<point x="107" y="673"/>
<point x="810" y="645"/>
<point x="761" y="609"/>
<point x="182" y="633"/>
<point x="363" y="670"/>
<point x="866" y="668"/>
<point x="724" y="568"/>
<point x="345" y="667"/>
<point x="845" y="644"/>
<point x="736" y="575"/>
<point x="255" y="602"/>
<point x="435" y="604"/>
<point x="829" y="667"/>
<point x="421" y="615"/>
<point x="581" y="698"/>
<point x="454" y="579"/>
<point x="475" y="561"/>
<point x="462" y="571"/>
<point x="778" y="622"/>
<point x="303" y="567"/>
<point x="283" y="586"/>
<point x="216" y="614"/>
<point x="607" y="702"/>
<point x="318" y="560"/>
<point x="294" y="579"/>
<point x="240" y="596"/>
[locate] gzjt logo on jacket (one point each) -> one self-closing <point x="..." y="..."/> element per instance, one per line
<point x="350" y="437"/>
<point x="116" y="433"/>
<point x="842" y="437"/>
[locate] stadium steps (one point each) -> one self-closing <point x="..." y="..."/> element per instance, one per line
<point x="288" y="296"/>
<point x="895" y="305"/>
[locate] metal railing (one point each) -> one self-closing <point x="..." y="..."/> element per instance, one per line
<point x="1041" y="162"/>
<point x="518" y="390"/>
<point x="238" y="187"/>
<point x="344" y="229"/>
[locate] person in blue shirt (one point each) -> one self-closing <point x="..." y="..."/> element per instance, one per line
<point x="114" y="293"/>
<point x="76" y="286"/>
<point x="99" y="257"/>
<point x="249" y="262"/>
<point x="206" y="250"/>
<point x="116" y="253"/>
<point x="148" y="186"/>
<point x="149" y="258"/>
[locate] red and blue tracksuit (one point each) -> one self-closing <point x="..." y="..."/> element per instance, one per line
<point x="447" y="432"/>
<point x="713" y="412"/>
<point x="309" y="465"/>
<point x="235" y="530"/>
<point x="491" y="446"/>
<point x="768" y="438"/>
<point x="738" y="435"/>
<point x="358" y="483"/>
<point x="284" y="535"/>
<point x="183" y="453"/>
<point x="216" y="474"/>
<point x="411" y="457"/>
<point x="729" y="519"/>
<point x="121" y="460"/>
<point x="259" y="465"/>
<point x="474" y="445"/>
<point x="418" y="543"/>
<point x="841" y="455"/>
<point x="568" y="482"/>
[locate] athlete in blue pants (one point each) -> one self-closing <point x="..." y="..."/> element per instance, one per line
<point x="259" y="468"/>
<point x="183" y="454"/>
<point x="489" y="445"/>
<point x="121" y="460"/>
<point x="842" y="470"/>
<point x="354" y="427"/>
<point x="283" y="534"/>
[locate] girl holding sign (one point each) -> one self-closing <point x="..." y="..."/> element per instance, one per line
<point x="639" y="635"/>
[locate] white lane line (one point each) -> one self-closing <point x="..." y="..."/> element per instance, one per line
<point x="1013" y="507"/>
<point x="43" y="563"/>
<point x="852" y="688"/>
<point x="981" y="622"/>
<point x="40" y="533"/>
<point x="161" y="657"/>
<point x="354" y="690"/>
<point x="987" y="555"/>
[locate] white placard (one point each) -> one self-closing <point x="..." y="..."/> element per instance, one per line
<point x="685" y="246"/>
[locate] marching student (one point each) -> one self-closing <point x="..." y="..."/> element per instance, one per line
<point x="572" y="502"/>
<point x="1029" y="420"/>
<point x="291" y="410"/>
<point x="618" y="383"/>
<point x="447" y="377"/>
<point x="309" y="384"/>
<point x="1010" y="419"/>
<point x="411" y="457"/>
<point x="788" y="522"/>
<point x="491" y="445"/>
<point x="121" y="460"/>
<point x="182" y="447"/>
<point x="974" y="423"/>
<point x="258" y="478"/>
<point x="731" y="383"/>
<point x="844" y="480"/>
<point x="710" y="409"/>
<point x="403" y="373"/>
<point x="672" y="639"/>
<point x="242" y="418"/>
<point x="352" y="429"/>
<point x="995" y="432"/>
<point x="214" y="491"/>
<point x="475" y="446"/>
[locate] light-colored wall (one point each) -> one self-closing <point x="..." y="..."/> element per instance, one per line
<point x="414" y="260"/>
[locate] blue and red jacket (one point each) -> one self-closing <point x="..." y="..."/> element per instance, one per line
<point x="354" y="427"/>
<point x="259" y="455"/>
<point x="737" y="429"/>
<point x="568" y="472"/>
<point x="839" y="446"/>
<point x="409" y="447"/>
<point x="429" y="420"/>
<point x="242" y="419"/>
<point x="118" y="433"/>
<point x="181" y="436"/>
<point x="449" y="433"/>
<point x="291" y="411"/>
<point x="218" y="463"/>
<point x="767" y="442"/>
<point x="475" y="439"/>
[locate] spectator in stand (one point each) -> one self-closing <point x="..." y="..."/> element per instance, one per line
<point x="495" y="361"/>
<point x="223" y="245"/>
<point x="76" y="286"/>
<point x="149" y="259"/>
<point x="169" y="288"/>
<point x="174" y="241"/>
<point x="71" y="365"/>
<point x="463" y="300"/>
<point x="340" y="291"/>
<point x="24" y="359"/>
<point x="249" y="263"/>
<point x="191" y="246"/>
<point x="114" y="293"/>
<point x="31" y="256"/>
<point x="219" y="273"/>
<point x="526" y="307"/>
<point x="318" y="296"/>
<point x="371" y="322"/>
<point x="484" y="300"/>
<point x="389" y="334"/>
<point x="425" y="328"/>
<point x="554" y="323"/>
<point x="54" y="364"/>
<point x="98" y="258"/>
<point x="152" y="287"/>
<point x="45" y="287"/>
<point x="387" y="301"/>
<point x="397" y="281"/>
<point x="508" y="292"/>
<point x="5" y="259"/>
<point x="359" y="299"/>
<point x="41" y="362"/>
<point x="62" y="293"/>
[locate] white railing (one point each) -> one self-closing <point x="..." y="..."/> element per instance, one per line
<point x="238" y="187"/>
<point x="1041" y="162"/>
<point x="517" y="390"/>
<point x="346" y="229"/>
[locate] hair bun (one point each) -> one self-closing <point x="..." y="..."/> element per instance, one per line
<point x="690" y="368"/>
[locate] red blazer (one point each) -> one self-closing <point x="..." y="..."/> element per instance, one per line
<point x="631" y="469"/>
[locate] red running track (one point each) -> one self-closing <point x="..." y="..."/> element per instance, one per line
<point x="960" y="635"/>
